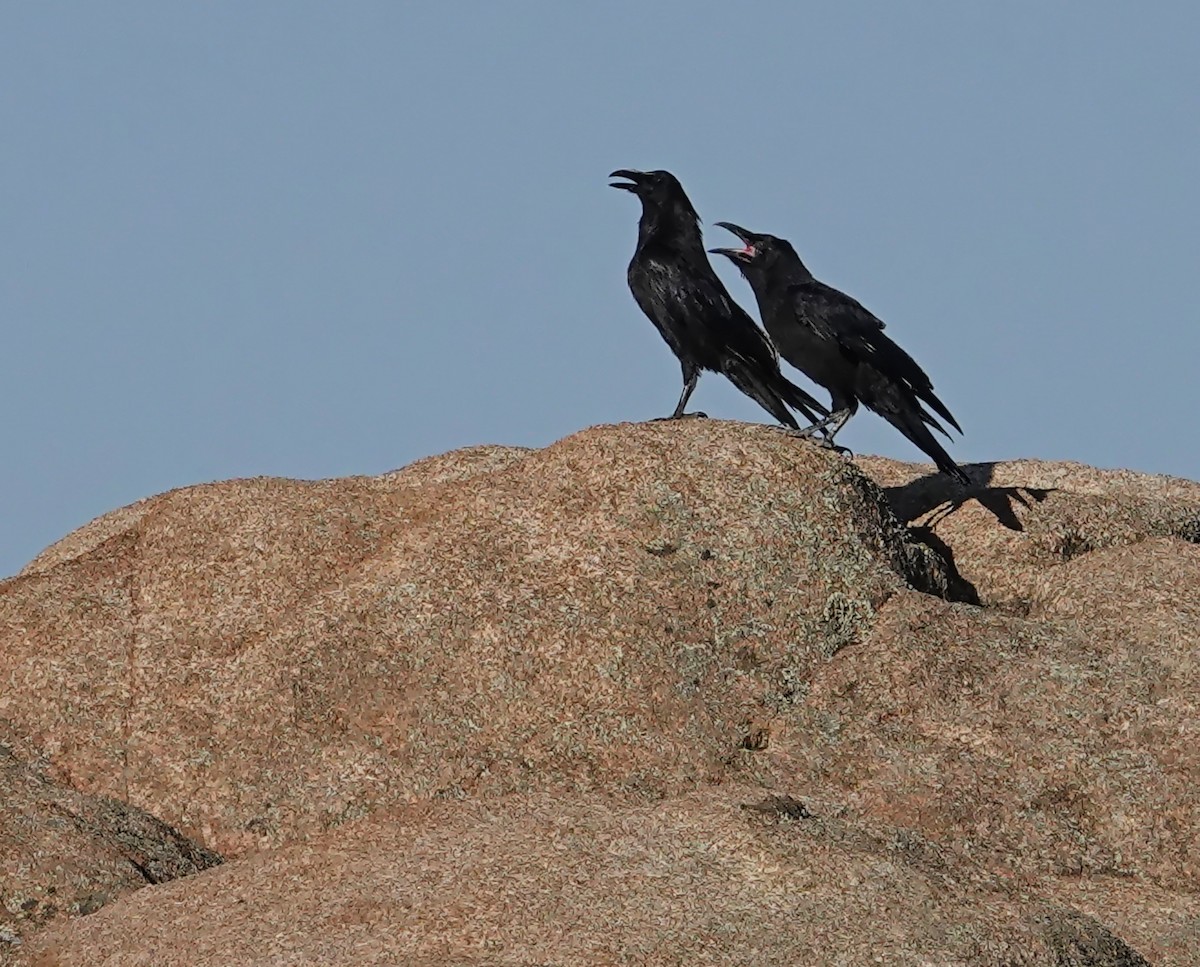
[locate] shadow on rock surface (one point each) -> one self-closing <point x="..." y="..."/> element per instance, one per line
<point x="64" y="854"/>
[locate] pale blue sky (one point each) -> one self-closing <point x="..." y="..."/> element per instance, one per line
<point x="317" y="239"/>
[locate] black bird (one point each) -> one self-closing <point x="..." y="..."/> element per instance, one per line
<point x="837" y="343"/>
<point x="676" y="287"/>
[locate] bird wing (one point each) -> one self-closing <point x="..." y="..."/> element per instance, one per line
<point x="694" y="300"/>
<point x="834" y="315"/>
<point x="741" y="333"/>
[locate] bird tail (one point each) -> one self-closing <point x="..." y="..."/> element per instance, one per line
<point x="930" y="421"/>
<point x="771" y="390"/>
<point x="928" y="396"/>
<point x="910" y="421"/>
<point x="800" y="401"/>
<point x="758" y="385"/>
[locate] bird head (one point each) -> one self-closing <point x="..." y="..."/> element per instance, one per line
<point x="663" y="199"/>
<point x="755" y="247"/>
<point x="758" y="252"/>
<point x="660" y="186"/>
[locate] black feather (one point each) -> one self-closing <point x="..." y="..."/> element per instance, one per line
<point x="835" y="341"/>
<point x="675" y="286"/>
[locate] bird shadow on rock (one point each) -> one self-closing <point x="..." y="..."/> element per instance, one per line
<point x="938" y="496"/>
<point x="957" y="587"/>
<point x="936" y="491"/>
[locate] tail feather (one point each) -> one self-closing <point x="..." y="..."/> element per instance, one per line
<point x="908" y="420"/>
<point x="927" y="395"/>
<point x="774" y="392"/>
<point x="801" y="401"/>
<point x="928" y="420"/>
<point x="751" y="382"/>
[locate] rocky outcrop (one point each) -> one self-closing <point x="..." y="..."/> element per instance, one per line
<point x="277" y="657"/>
<point x="638" y="623"/>
<point x="717" y="877"/>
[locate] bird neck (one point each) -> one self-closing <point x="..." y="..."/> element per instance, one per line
<point x="759" y="283"/>
<point x="677" y="226"/>
<point x="773" y="282"/>
<point x="790" y="272"/>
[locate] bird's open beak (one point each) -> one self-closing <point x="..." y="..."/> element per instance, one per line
<point x="634" y="176"/>
<point x="736" y="254"/>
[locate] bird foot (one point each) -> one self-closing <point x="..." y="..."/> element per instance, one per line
<point x="806" y="434"/>
<point x="681" y="416"/>
<point x="823" y="442"/>
<point x="826" y="443"/>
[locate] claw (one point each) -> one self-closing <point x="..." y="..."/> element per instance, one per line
<point x="682" y="416"/>
<point x="828" y="444"/>
<point x="809" y="434"/>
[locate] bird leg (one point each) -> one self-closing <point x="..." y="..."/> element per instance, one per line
<point x="826" y="442"/>
<point x="829" y="428"/>
<point x="689" y="385"/>
<point x="830" y="425"/>
<point x="833" y="423"/>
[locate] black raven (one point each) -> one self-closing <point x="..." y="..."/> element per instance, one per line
<point x="674" y="284"/>
<point x="837" y="343"/>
